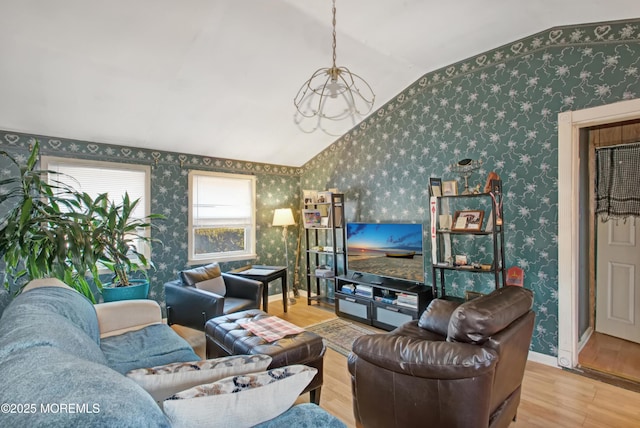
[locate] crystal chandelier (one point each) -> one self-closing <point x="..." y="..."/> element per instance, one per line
<point x="334" y="93"/>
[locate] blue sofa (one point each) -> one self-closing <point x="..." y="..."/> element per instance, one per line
<point x="63" y="360"/>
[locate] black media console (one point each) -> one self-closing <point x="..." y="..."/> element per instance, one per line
<point x="382" y="302"/>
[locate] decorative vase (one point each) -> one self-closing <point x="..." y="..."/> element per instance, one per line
<point x="137" y="289"/>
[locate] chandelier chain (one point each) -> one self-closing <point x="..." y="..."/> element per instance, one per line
<point x="334" y="33"/>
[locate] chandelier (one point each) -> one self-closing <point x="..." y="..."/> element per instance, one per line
<point x="334" y="93"/>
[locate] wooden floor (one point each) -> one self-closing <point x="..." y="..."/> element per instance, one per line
<point x="551" y="397"/>
<point x="611" y="355"/>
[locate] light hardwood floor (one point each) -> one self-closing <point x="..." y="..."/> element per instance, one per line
<point x="611" y="355"/>
<point x="551" y="397"/>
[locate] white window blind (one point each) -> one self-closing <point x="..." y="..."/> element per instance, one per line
<point x="95" y="178"/>
<point x="221" y="217"/>
<point x="221" y="200"/>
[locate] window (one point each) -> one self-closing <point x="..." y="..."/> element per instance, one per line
<point x="94" y="178"/>
<point x="221" y="216"/>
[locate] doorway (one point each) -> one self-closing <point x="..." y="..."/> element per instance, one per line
<point x="573" y="289"/>
<point x="610" y="340"/>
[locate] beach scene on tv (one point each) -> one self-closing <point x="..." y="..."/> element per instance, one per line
<point x="387" y="249"/>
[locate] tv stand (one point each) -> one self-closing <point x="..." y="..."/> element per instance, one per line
<point x="382" y="302"/>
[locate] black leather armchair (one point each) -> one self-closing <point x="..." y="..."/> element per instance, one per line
<point x="192" y="307"/>
<point x="460" y="365"/>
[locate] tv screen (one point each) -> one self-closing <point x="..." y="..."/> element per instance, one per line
<point x="393" y="250"/>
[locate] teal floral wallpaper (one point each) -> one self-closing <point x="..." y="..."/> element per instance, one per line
<point x="499" y="107"/>
<point x="277" y="187"/>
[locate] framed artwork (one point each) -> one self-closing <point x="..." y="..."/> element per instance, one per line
<point x="310" y="196"/>
<point x="449" y="188"/>
<point x="312" y="219"/>
<point x="323" y="197"/>
<point x="435" y="186"/>
<point x="468" y="221"/>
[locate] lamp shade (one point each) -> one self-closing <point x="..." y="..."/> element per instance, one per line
<point x="283" y="217"/>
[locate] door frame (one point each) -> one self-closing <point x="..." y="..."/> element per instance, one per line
<point x="569" y="239"/>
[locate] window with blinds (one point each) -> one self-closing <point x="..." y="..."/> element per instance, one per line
<point x="96" y="177"/>
<point x="221" y="216"/>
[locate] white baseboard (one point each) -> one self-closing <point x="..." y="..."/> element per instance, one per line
<point x="547" y="360"/>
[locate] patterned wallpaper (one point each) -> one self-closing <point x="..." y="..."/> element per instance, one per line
<point x="277" y="187"/>
<point x="499" y="107"/>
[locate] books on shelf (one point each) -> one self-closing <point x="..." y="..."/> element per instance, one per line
<point x="407" y="300"/>
<point x="387" y="300"/>
<point x="364" y="290"/>
<point x="407" y="305"/>
<point x="348" y="289"/>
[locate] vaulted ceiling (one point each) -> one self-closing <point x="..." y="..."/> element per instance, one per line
<point x="218" y="77"/>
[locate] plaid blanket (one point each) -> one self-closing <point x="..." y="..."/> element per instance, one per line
<point x="271" y="328"/>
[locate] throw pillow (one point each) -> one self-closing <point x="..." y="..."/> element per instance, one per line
<point x="241" y="401"/>
<point x="214" y="285"/>
<point x="163" y="381"/>
<point x="208" y="277"/>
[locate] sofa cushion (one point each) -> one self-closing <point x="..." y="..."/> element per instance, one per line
<point x="477" y="320"/>
<point x="437" y="315"/>
<point x="68" y="391"/>
<point x="63" y="301"/>
<point x="45" y="318"/>
<point x="151" y="346"/>
<point x="267" y="395"/>
<point x="164" y="381"/>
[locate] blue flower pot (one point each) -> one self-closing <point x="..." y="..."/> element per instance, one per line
<point x="138" y="289"/>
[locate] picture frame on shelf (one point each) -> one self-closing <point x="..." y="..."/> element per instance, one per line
<point x="450" y="188"/>
<point x="312" y="219"/>
<point x="323" y="197"/>
<point x="468" y="221"/>
<point x="435" y="186"/>
<point x="309" y="196"/>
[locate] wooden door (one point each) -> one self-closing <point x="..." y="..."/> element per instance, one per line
<point x="617" y="282"/>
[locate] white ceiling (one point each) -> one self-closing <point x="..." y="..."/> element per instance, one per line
<point x="218" y="77"/>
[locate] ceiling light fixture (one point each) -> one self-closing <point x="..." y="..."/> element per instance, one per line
<point x="316" y="96"/>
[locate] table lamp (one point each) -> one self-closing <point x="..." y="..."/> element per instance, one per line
<point x="284" y="217"/>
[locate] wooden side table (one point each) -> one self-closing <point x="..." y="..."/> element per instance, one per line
<point x="266" y="274"/>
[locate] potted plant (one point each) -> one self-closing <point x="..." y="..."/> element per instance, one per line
<point x="43" y="227"/>
<point x="117" y="237"/>
<point x="49" y="229"/>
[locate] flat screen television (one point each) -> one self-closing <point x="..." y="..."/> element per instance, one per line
<point x="392" y="250"/>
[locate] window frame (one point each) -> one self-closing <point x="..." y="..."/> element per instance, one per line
<point x="250" y="252"/>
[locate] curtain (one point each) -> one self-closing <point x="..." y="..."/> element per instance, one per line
<point x="618" y="182"/>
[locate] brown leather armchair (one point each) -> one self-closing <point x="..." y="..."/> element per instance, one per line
<point x="460" y="365"/>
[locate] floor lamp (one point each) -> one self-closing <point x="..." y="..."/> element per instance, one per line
<point x="284" y="217"/>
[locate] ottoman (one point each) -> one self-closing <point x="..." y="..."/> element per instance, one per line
<point x="225" y="336"/>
